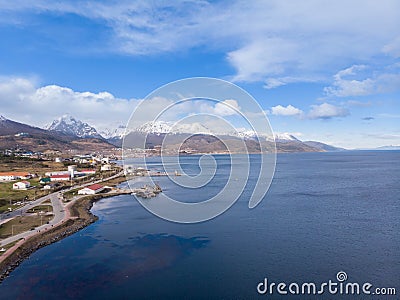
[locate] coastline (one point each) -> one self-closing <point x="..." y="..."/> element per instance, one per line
<point x="79" y="217"/>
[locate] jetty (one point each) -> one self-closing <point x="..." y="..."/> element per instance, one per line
<point x="147" y="191"/>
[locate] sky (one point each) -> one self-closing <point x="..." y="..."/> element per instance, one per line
<point x="322" y="70"/>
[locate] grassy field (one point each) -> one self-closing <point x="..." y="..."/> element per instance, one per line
<point x="22" y="224"/>
<point x="40" y="208"/>
<point x="7" y="194"/>
<point x="33" y="166"/>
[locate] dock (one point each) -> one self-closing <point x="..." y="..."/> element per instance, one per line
<point x="147" y="191"/>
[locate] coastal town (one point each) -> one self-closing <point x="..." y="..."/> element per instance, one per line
<point x="44" y="200"/>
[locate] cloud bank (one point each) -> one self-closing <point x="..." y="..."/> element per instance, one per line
<point x="277" y="42"/>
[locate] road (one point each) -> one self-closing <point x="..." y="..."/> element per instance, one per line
<point x="58" y="210"/>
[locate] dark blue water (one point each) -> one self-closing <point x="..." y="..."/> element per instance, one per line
<point x="324" y="213"/>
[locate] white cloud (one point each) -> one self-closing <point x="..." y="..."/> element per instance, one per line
<point x="262" y="40"/>
<point x="226" y="108"/>
<point x="289" y="110"/>
<point x="24" y="102"/>
<point x="327" y="111"/>
<point x="345" y="85"/>
<point x="393" y="47"/>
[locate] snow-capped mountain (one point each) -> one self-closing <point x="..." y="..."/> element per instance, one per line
<point x="285" y="137"/>
<point x="162" y="127"/>
<point x="279" y="137"/>
<point x="117" y="132"/>
<point x="71" y="126"/>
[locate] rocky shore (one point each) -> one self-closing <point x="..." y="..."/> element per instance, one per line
<point x="80" y="218"/>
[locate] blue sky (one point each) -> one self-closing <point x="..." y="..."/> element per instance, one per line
<point x="326" y="71"/>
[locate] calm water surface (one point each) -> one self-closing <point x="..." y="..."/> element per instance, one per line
<point x="324" y="213"/>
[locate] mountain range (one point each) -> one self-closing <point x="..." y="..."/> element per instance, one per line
<point x="68" y="132"/>
<point x="18" y="135"/>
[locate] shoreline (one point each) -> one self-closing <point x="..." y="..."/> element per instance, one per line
<point x="79" y="217"/>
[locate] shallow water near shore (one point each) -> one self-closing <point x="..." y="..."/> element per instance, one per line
<point x="324" y="213"/>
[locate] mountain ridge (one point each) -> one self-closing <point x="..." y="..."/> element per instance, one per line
<point x="71" y="126"/>
<point x="19" y="135"/>
<point x="67" y="131"/>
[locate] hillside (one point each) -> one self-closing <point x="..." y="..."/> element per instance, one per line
<point x="14" y="134"/>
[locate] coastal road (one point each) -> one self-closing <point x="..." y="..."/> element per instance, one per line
<point x="58" y="211"/>
<point x="59" y="215"/>
<point x="23" y="209"/>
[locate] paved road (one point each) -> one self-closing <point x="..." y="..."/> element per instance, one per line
<point x="59" y="215"/>
<point x="58" y="210"/>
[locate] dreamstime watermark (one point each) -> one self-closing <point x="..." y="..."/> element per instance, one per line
<point x="210" y="113"/>
<point x="340" y="286"/>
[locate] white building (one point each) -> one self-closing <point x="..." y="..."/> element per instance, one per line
<point x="106" y="167"/>
<point x="7" y="176"/>
<point x="91" y="189"/>
<point x="22" y="185"/>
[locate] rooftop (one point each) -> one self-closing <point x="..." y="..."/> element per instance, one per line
<point x="95" y="187"/>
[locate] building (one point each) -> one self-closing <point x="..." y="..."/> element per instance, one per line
<point x="57" y="173"/>
<point x="50" y="186"/>
<point x="22" y="185"/>
<point x="7" y="176"/>
<point x="45" y="180"/>
<point x="88" y="172"/>
<point x="91" y="189"/>
<point x="106" y="167"/>
<point x="62" y="177"/>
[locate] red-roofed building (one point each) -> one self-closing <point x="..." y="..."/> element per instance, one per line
<point x="61" y="177"/>
<point x="7" y="176"/>
<point x="91" y="189"/>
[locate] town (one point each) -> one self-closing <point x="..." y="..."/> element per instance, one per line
<point x="40" y="194"/>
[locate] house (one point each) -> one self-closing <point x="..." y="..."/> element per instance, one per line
<point x="45" y="180"/>
<point x="22" y="185"/>
<point x="91" y="189"/>
<point x="106" y="167"/>
<point x="63" y="177"/>
<point x="7" y="176"/>
<point x="50" y="186"/>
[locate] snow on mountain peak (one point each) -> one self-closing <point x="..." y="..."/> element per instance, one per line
<point x="71" y="126"/>
<point x="162" y="127"/>
<point x="2" y="118"/>
<point x="285" y="136"/>
<point x="117" y="132"/>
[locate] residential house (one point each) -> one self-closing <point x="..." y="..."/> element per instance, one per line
<point x="45" y="180"/>
<point x="106" y="167"/>
<point x="22" y="185"/>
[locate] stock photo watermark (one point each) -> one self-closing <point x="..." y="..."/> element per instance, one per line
<point x="338" y="286"/>
<point x="204" y="110"/>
